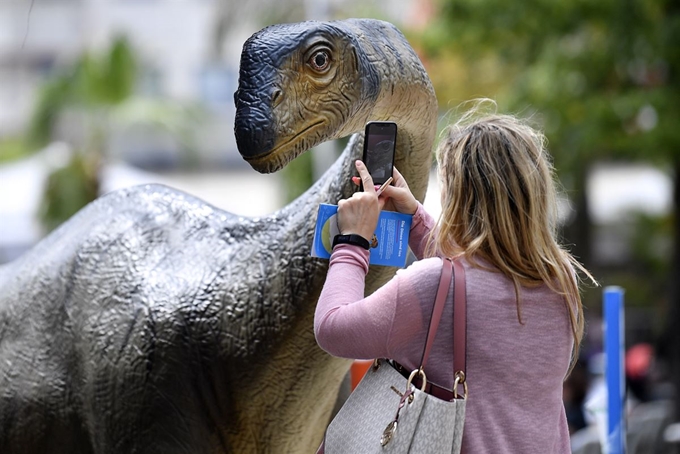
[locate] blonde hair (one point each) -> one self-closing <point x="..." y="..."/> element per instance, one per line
<point x="499" y="203"/>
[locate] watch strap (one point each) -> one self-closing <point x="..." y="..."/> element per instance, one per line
<point x="352" y="238"/>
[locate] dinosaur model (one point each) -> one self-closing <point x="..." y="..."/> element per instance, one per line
<point x="153" y="322"/>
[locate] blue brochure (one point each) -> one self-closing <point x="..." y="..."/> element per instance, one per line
<point x="389" y="245"/>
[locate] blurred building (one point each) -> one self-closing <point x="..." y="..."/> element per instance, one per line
<point x="171" y="40"/>
<point x="177" y="65"/>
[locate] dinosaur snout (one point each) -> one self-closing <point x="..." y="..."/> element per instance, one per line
<point x="255" y="135"/>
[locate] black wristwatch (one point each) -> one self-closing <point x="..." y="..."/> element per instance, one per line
<point x="357" y="240"/>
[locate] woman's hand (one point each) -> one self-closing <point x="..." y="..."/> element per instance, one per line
<point x="359" y="214"/>
<point x="397" y="196"/>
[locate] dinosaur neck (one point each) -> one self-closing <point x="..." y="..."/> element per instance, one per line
<point x="413" y="159"/>
<point x="414" y="109"/>
<point x="406" y="97"/>
<point x="403" y="94"/>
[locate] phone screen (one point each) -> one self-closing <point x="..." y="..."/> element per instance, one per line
<point x="379" y="145"/>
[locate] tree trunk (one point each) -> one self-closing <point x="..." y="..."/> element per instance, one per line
<point x="577" y="233"/>
<point x="668" y="346"/>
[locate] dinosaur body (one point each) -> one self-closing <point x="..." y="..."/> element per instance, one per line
<point x="153" y="322"/>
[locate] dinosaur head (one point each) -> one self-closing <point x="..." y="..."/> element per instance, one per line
<point x="299" y="85"/>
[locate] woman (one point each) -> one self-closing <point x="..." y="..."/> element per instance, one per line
<point x="524" y="312"/>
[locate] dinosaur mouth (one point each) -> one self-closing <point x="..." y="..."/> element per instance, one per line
<point x="273" y="161"/>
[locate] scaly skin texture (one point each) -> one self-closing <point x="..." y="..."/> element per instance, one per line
<point x="152" y="322"/>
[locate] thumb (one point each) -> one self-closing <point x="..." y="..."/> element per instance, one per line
<point x="390" y="191"/>
<point x="382" y="200"/>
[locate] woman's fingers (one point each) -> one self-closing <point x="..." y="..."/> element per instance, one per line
<point x="357" y="181"/>
<point x="382" y="187"/>
<point x="365" y="176"/>
<point x="399" y="179"/>
<point x="394" y="197"/>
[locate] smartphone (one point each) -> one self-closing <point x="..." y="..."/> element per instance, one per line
<point x="380" y="141"/>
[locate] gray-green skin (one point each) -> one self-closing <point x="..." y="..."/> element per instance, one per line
<point x="153" y="322"/>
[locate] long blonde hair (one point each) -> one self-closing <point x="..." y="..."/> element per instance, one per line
<point x="499" y="203"/>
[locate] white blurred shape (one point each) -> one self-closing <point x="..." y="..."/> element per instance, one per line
<point x="614" y="190"/>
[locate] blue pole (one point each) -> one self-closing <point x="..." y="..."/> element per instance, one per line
<point x="614" y="372"/>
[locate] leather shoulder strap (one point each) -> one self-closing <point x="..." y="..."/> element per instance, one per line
<point x="459" y="319"/>
<point x="437" y="309"/>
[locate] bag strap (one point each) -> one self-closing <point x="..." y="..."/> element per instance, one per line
<point x="451" y="268"/>
<point x="437" y="309"/>
<point x="459" y="328"/>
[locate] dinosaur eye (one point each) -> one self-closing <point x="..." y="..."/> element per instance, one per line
<point x="320" y="60"/>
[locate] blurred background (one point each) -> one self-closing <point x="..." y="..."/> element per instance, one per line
<point x="96" y="95"/>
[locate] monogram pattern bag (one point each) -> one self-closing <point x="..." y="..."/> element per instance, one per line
<point x="390" y="413"/>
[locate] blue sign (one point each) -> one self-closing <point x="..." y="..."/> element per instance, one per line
<point x="614" y="347"/>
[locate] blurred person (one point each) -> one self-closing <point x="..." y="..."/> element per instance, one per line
<point x="574" y="396"/>
<point x="638" y="365"/>
<point x="524" y="312"/>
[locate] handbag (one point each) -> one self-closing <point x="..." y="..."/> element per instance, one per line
<point x="392" y="411"/>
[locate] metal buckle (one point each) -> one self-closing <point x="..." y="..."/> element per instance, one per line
<point x="409" y="383"/>
<point x="460" y="380"/>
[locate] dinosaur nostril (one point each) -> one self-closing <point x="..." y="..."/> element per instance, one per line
<point x="276" y="97"/>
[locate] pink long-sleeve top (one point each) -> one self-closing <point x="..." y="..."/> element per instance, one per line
<point x="514" y="371"/>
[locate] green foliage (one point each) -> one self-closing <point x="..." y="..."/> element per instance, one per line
<point x="52" y="99"/>
<point x="93" y="82"/>
<point x="603" y="74"/>
<point x="12" y="148"/>
<point x="68" y="189"/>
<point x="92" y="85"/>
<point x="99" y="88"/>
<point x="107" y="80"/>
